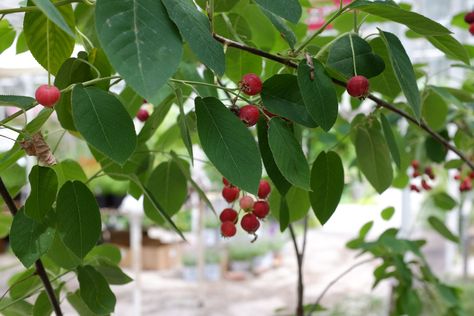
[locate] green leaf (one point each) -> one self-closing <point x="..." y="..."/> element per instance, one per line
<point x="140" y="33"/>
<point x="383" y="83"/>
<point x="288" y="155"/>
<point x="391" y="142"/>
<point x="42" y="305"/>
<point x="113" y="274"/>
<point x="61" y="255"/>
<point x="195" y="29"/>
<point x="69" y="170"/>
<point x="285" y="31"/>
<point x="104" y="122"/>
<point x="7" y="35"/>
<point x="436" y="151"/>
<point x="403" y="70"/>
<point x="295" y="206"/>
<point x="44" y="185"/>
<point x="390" y="11"/>
<point x="6" y="221"/>
<point x="53" y="14"/>
<point x="21" y="46"/>
<point x="168" y="185"/>
<point x="104" y="252"/>
<point x="318" y="93"/>
<point x="435" y="110"/>
<point x="29" y="239"/>
<point x="273" y="172"/>
<point x="78" y="218"/>
<point x="451" y="47"/>
<point x="79" y="305"/>
<point x="341" y="57"/>
<point x="439" y="226"/>
<point x="184" y="128"/>
<point x="281" y="96"/>
<point x="228" y="144"/>
<point x="22" y="283"/>
<point x="387" y="213"/>
<point x="24" y="103"/>
<point x="155" y="120"/>
<point x="284" y="215"/>
<point x="444" y="201"/>
<point x="327" y="184"/>
<point x="373" y="156"/>
<point x="239" y="63"/>
<point x="95" y="291"/>
<point x="38" y="29"/>
<point x="73" y="70"/>
<point x="287" y="9"/>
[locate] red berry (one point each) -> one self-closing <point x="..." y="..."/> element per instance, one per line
<point x="251" y="84"/>
<point x="264" y="189"/>
<point x="143" y="115"/>
<point x="358" y="87"/>
<point x="471" y="175"/>
<point x="229" y="215"/>
<point x="249" y="115"/>
<point x="466" y="185"/>
<point x="414" y="188"/>
<point x="415" y="164"/>
<point x="230" y="194"/>
<point x="416" y="174"/>
<point x="425" y="185"/>
<point x="47" y="95"/>
<point x="261" y="209"/>
<point x="246" y="202"/>
<point x="228" y="229"/>
<point x="471" y="29"/>
<point x="250" y="223"/>
<point x="469" y="18"/>
<point x="457" y="177"/>
<point x="226" y="182"/>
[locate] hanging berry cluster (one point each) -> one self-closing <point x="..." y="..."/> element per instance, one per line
<point x="465" y="182"/>
<point x="253" y="210"/>
<point x="469" y="19"/>
<point x="426" y="177"/>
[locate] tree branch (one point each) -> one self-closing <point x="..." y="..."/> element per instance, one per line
<point x="378" y="101"/>
<point x="299" y="261"/>
<point x="38" y="264"/>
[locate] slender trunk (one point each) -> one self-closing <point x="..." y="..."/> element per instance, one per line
<point x="299" y="260"/>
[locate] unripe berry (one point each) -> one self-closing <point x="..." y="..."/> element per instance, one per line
<point x="230" y="194"/>
<point x="264" y="189"/>
<point x="143" y="115"/>
<point x="469" y="18"/>
<point x="358" y="87"/>
<point x="47" y="95"/>
<point x="261" y="209"/>
<point x="246" y="202"/>
<point x="250" y="223"/>
<point x="228" y="229"/>
<point x="249" y="115"/>
<point x="229" y="215"/>
<point x="251" y="84"/>
<point x="471" y="29"/>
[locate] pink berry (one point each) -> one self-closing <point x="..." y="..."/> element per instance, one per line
<point x="251" y="84"/>
<point x="250" y="223"/>
<point x="261" y="209"/>
<point x="228" y="229"/>
<point x="264" y="189"/>
<point x="358" y="87"/>
<point x="229" y="215"/>
<point x="249" y="114"/>
<point x="47" y="95"/>
<point x="230" y="194"/>
<point x="143" y="115"/>
<point x="246" y="202"/>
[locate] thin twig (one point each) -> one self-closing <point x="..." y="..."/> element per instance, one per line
<point x="299" y="261"/>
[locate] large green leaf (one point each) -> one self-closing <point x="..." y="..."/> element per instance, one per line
<point x="44" y="185"/>
<point x="318" y="93"/>
<point x="327" y="184"/>
<point x="383" y="83"/>
<point x="103" y="121"/>
<point x="451" y="47"/>
<point x="444" y="231"/>
<point x="6" y="221"/>
<point x="168" y="185"/>
<point x="239" y="63"/>
<point x="285" y="31"/>
<point x="21" y="102"/>
<point x="79" y="305"/>
<point x="288" y="9"/>
<point x="78" y="218"/>
<point x="7" y="35"/>
<point x="53" y="14"/>
<point x="95" y="291"/>
<point x="346" y="49"/>
<point x="373" y="156"/>
<point x="403" y="70"/>
<point x="141" y="42"/>
<point x="435" y="110"/>
<point x="288" y="154"/>
<point x="24" y="281"/>
<point x="444" y="201"/>
<point x="68" y="170"/>
<point x="390" y="11"/>
<point x="391" y="142"/>
<point x="105" y="252"/>
<point x="295" y="205"/>
<point x="228" y="144"/>
<point x="195" y="29"/>
<point x="281" y="95"/>
<point x="273" y="172"/>
<point x="113" y="274"/>
<point x="61" y="255"/>
<point x="29" y="239"/>
<point x="48" y="43"/>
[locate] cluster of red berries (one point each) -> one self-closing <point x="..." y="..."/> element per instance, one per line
<point x="251" y="84"/>
<point x="426" y="176"/>
<point x="254" y="211"/>
<point x="47" y="95"/>
<point x="469" y="19"/>
<point x="358" y="87"/>
<point x="465" y="183"/>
